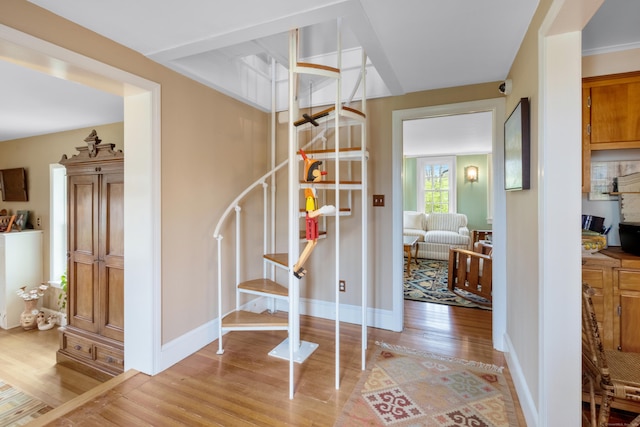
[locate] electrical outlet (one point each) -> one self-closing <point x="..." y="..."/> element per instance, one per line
<point x="378" y="200"/>
<point x="343" y="286"/>
<point x="38" y="222"/>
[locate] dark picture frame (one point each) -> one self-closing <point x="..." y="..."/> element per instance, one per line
<point x="13" y="185"/>
<point x="517" y="148"/>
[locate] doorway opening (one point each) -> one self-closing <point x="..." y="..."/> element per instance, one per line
<point x="142" y="166"/>
<point x="497" y="107"/>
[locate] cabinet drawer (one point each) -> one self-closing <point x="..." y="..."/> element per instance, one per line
<point x="78" y="346"/>
<point x="110" y="357"/>
<point x="593" y="277"/>
<point x="629" y="280"/>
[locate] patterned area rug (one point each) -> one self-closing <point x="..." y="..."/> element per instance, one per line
<point x="404" y="387"/>
<point x="428" y="283"/>
<point x="18" y="408"/>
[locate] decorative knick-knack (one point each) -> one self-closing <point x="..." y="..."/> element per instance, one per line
<point x="28" y="318"/>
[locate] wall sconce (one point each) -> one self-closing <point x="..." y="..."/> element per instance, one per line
<point x="471" y="173"/>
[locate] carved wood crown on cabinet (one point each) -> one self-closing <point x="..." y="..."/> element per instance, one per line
<point x="93" y="340"/>
<point x="610" y="116"/>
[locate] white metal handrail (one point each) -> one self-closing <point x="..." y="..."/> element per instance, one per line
<point x="259" y="181"/>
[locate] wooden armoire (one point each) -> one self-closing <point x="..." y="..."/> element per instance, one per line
<point x="93" y="340"/>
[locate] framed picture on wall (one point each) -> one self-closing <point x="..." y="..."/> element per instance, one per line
<point x="13" y="185"/>
<point x="517" y="150"/>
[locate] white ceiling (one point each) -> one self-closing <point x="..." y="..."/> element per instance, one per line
<point x="412" y="45"/>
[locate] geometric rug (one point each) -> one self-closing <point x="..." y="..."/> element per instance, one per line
<point x="428" y="283"/>
<point x="18" y="408"/>
<point x="406" y="387"/>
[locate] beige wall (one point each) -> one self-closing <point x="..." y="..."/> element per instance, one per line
<point x="35" y="154"/>
<point x="523" y="282"/>
<point x="379" y="132"/>
<point x="611" y="63"/>
<point x="212" y="147"/>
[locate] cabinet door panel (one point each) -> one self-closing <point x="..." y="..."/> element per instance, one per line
<point x="629" y="322"/>
<point x="83" y="251"/>
<point x="112" y="303"/>
<point x="595" y="279"/>
<point x="112" y="216"/>
<point x="83" y="297"/>
<point x="83" y="213"/>
<point x="615" y="113"/>
<point x="112" y="254"/>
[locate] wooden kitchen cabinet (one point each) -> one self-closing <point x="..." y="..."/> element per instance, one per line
<point x="626" y="300"/>
<point x="629" y="310"/>
<point x="610" y="116"/>
<point x="598" y="272"/>
<point x="93" y="340"/>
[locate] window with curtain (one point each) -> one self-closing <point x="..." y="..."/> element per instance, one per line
<point x="436" y="186"/>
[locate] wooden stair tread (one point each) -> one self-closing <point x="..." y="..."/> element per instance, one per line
<point x="318" y="67"/>
<point x="282" y="259"/>
<point x="303" y="234"/>
<point x="326" y="112"/>
<point x="249" y="319"/>
<point x="332" y="150"/>
<point x="265" y="286"/>
<point x="341" y="210"/>
<point x="353" y="110"/>
<point x="314" y="116"/>
<point x="330" y="182"/>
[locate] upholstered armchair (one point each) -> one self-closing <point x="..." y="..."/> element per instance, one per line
<point x="437" y="233"/>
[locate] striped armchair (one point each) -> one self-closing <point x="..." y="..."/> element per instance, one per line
<point x="437" y="233"/>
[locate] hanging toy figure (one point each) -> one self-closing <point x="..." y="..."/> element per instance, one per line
<point x="312" y="173"/>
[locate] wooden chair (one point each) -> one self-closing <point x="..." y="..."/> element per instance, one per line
<point x="615" y="373"/>
<point x="470" y="272"/>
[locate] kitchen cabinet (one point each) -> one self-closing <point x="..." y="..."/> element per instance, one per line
<point x="610" y="116"/>
<point x="615" y="277"/>
<point x="93" y="340"/>
<point x="598" y="272"/>
<point x="626" y="300"/>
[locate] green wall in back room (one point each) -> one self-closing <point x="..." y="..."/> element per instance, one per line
<point x="472" y="196"/>
<point x="409" y="184"/>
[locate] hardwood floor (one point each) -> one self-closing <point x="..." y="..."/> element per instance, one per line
<point x="245" y="386"/>
<point x="28" y="362"/>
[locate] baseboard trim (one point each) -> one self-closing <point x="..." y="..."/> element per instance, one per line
<point x="522" y="389"/>
<point x="187" y="344"/>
